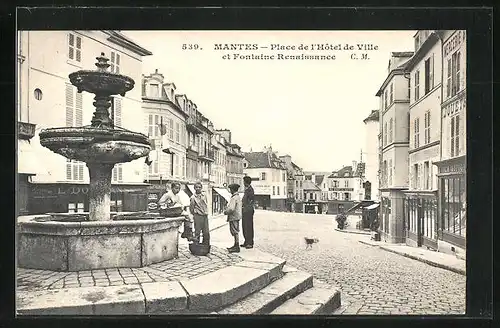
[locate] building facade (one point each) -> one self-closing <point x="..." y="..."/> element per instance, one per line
<point x="371" y="155"/>
<point x="295" y="178"/>
<point x="424" y="69"/>
<point x="393" y="150"/>
<point x="234" y="161"/>
<point x="47" y="99"/>
<point x="269" y="179"/>
<point x="452" y="213"/>
<point x="218" y="174"/>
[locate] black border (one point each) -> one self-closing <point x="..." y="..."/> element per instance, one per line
<point x="477" y="22"/>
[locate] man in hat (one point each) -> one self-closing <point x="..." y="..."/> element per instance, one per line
<point x="247" y="212"/>
<point x="233" y="212"/>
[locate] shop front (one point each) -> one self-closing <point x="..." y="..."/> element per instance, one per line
<point x="73" y="198"/>
<point x="452" y="209"/>
<point x="421" y="219"/>
<point x="220" y="199"/>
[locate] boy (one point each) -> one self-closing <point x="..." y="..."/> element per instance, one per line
<point x="199" y="210"/>
<point x="174" y="198"/>
<point x="233" y="213"/>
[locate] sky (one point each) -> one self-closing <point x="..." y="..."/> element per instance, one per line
<point x="312" y="110"/>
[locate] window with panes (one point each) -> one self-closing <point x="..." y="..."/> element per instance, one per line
<point x="391" y="131"/>
<point x="453" y="75"/>
<point x="429" y="74"/>
<point x="417" y="85"/>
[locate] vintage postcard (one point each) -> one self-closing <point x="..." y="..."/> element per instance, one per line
<point x="247" y="172"/>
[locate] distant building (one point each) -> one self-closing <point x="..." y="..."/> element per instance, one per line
<point x="295" y="178"/>
<point x="218" y="177"/>
<point x="49" y="182"/>
<point x="370" y="157"/>
<point x="269" y="179"/>
<point x="394" y="121"/>
<point x="345" y="188"/>
<point x="320" y="180"/>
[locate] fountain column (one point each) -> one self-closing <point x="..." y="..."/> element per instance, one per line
<point x="100" y="191"/>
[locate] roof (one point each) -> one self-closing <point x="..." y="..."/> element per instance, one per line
<point x="374" y="116"/>
<point x="309" y="185"/>
<point x="263" y="160"/>
<point x="319" y="179"/>
<point x="120" y="39"/>
<point x="424" y="48"/>
<point x="341" y="173"/>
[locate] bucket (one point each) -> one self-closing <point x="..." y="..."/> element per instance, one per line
<point x="199" y="249"/>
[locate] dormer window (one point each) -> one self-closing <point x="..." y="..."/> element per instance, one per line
<point x="346" y="174"/>
<point x="154" y="90"/>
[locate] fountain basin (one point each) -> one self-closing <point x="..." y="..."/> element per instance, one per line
<point x="71" y="245"/>
<point x="92" y="144"/>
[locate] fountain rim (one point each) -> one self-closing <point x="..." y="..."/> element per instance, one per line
<point x="96" y="133"/>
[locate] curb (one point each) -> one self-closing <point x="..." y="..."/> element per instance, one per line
<point x="417" y="258"/>
<point x="431" y="263"/>
<point x="353" y="232"/>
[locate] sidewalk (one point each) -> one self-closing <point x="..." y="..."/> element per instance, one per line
<point x="437" y="259"/>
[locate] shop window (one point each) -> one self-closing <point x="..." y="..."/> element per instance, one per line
<point x="76" y="208"/>
<point x="453" y="216"/>
<point x="116" y="202"/>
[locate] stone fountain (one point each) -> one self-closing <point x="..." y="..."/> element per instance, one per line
<point x="98" y="239"/>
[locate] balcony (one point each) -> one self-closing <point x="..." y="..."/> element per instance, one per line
<point x="25" y="131"/>
<point x="206" y="155"/>
<point x="192" y="153"/>
<point x="193" y="124"/>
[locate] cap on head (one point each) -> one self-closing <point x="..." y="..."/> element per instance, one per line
<point x="247" y="179"/>
<point x="234" y="187"/>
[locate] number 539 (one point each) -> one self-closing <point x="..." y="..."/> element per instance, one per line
<point x="190" y="46"/>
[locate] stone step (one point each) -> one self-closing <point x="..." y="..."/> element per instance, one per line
<point x="270" y="297"/>
<point x="320" y="299"/>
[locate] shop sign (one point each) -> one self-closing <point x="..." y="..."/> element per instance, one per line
<point x="454" y="107"/>
<point x="453" y="168"/>
<point x="454" y="42"/>
<point x="47" y="191"/>
<point x="341" y="189"/>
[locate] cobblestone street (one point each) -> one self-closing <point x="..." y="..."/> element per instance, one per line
<point x="372" y="281"/>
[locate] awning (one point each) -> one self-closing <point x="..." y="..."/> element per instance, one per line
<point x="224" y="193"/>
<point x="191" y="188"/>
<point x="372" y="207"/>
<point x="27" y="163"/>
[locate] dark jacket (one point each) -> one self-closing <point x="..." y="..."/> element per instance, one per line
<point x="248" y="201"/>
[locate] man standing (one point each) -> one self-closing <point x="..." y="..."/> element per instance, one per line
<point x="247" y="213"/>
<point x="199" y="210"/>
<point x="233" y="212"/>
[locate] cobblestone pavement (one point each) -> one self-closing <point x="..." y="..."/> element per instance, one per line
<point x="372" y="281"/>
<point x="186" y="266"/>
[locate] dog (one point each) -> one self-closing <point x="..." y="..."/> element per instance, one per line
<point x="310" y="242"/>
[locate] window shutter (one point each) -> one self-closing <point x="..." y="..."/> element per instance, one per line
<point x="78" y="49"/>
<point x="120" y="173"/>
<point x="118" y="112"/>
<point x="79" y="109"/>
<point x="112" y="62"/>
<point x="80" y="171"/>
<point x="117" y="63"/>
<point x="71" y="43"/>
<point x="69" y="105"/>
<point x="68" y="169"/>
<point x="75" y="171"/>
<point x="114" y="172"/>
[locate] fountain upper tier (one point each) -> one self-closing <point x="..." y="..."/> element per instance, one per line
<point x="101" y="142"/>
<point x="91" y="144"/>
